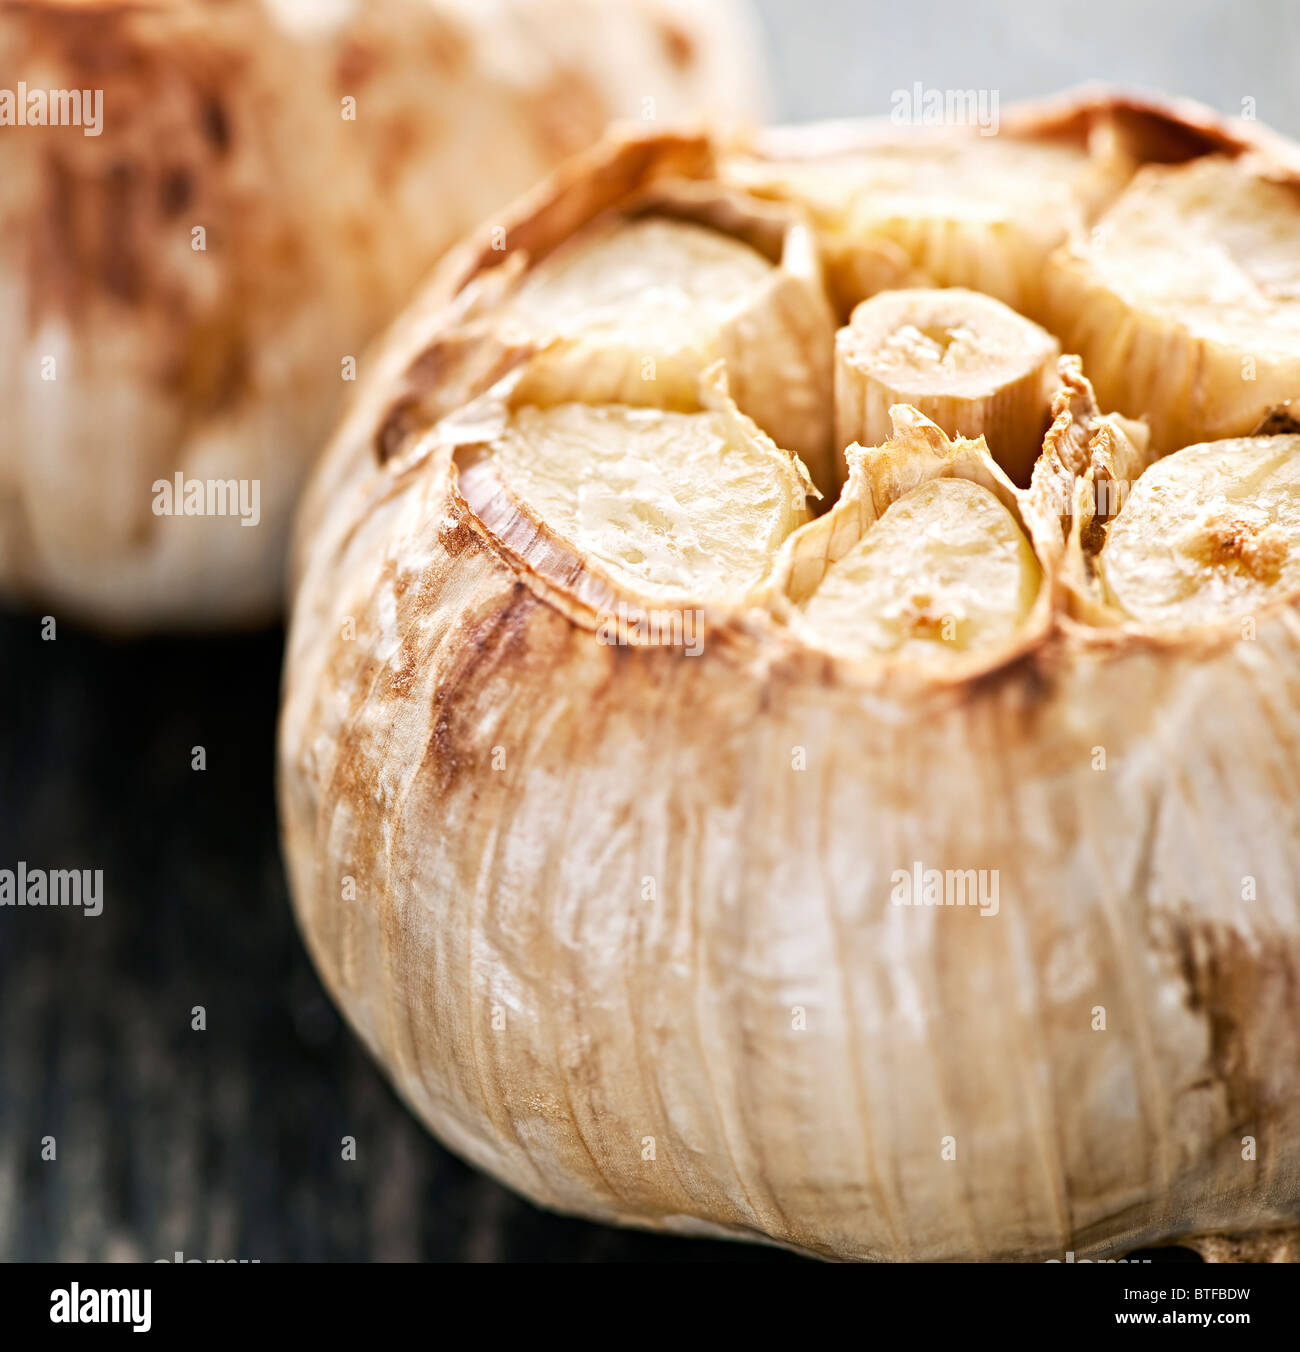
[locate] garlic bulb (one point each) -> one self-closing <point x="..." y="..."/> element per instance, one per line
<point x="191" y="274"/>
<point x="683" y="872"/>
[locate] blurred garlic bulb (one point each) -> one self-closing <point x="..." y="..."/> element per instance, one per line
<point x="190" y="276"/>
<point x="865" y="884"/>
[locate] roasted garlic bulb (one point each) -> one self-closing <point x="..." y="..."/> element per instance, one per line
<point x="192" y="272"/>
<point x="905" y="873"/>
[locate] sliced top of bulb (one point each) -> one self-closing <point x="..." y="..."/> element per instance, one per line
<point x="665" y="503"/>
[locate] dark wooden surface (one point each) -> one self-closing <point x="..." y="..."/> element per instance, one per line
<point x="222" y="1143"/>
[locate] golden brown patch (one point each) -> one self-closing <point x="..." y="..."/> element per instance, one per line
<point x="354" y="65"/>
<point x="679" y="45"/>
<point x="120" y="267"/>
<point x="213" y="366"/>
<point x="449" y="48"/>
<point x="1242" y="538"/>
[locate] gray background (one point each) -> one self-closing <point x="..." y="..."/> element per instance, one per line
<point x="840" y="58"/>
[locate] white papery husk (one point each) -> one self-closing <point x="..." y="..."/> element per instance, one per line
<point x="229" y="361"/>
<point x="618" y="922"/>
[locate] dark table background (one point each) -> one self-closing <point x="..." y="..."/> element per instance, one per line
<point x="225" y="1143"/>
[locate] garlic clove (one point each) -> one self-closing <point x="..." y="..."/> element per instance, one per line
<point x="1209" y="533"/>
<point x="968" y="362"/>
<point x="954" y="208"/>
<point x="944" y="571"/>
<point x="1184" y="301"/>
<point x="633" y="311"/>
<point x="668" y="506"/>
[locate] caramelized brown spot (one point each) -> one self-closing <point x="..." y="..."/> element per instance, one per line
<point x="1242" y="538"/>
<point x="449" y="48"/>
<point x="214" y="365"/>
<point x="120" y="264"/>
<point x="398" y="138"/>
<point x="924" y="618"/>
<point x="1281" y="420"/>
<point x="355" y="64"/>
<point x="175" y="191"/>
<point x="215" y="123"/>
<point x="679" y="45"/>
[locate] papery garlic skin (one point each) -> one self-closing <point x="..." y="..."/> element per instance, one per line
<point x="191" y="289"/>
<point x="622" y="922"/>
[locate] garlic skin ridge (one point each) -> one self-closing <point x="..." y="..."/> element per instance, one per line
<point x="648" y="971"/>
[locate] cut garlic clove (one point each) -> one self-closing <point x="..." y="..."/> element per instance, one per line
<point x="968" y="362"/>
<point x="1184" y="301"/>
<point x="924" y="561"/>
<point x="944" y="571"/>
<point x="633" y="311"/>
<point x="960" y="209"/>
<point x="1209" y="533"/>
<point x="663" y="504"/>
